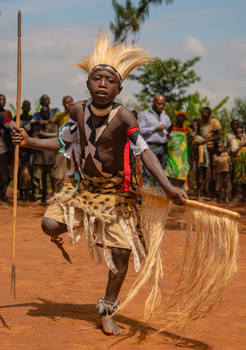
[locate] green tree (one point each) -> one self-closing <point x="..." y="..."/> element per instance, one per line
<point x="129" y="17"/>
<point x="239" y="110"/>
<point x="170" y="78"/>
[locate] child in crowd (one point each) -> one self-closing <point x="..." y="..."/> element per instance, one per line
<point x="238" y="152"/>
<point x="222" y="172"/>
<point x="24" y="176"/>
<point x="200" y="159"/>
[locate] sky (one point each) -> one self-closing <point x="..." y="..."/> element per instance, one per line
<point x="58" y="33"/>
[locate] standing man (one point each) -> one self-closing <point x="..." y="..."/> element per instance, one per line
<point x="5" y="176"/>
<point x="43" y="162"/>
<point x="210" y="132"/>
<point x="153" y="124"/>
<point x="4" y="112"/>
<point x="45" y="102"/>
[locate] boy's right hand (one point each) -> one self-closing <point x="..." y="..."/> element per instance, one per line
<point x="19" y="136"/>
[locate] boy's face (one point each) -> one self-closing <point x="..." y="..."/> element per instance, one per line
<point x="235" y="125"/>
<point x="194" y="126"/>
<point x="26" y="107"/>
<point x="68" y="104"/>
<point x="220" y="148"/>
<point x="45" y="113"/>
<point x="239" y="133"/>
<point x="2" y="101"/>
<point x="103" y="87"/>
<point x="205" y="115"/>
<point x="45" y="100"/>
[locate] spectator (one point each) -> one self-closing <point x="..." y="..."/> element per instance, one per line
<point x="61" y="163"/>
<point x="177" y="167"/>
<point x="238" y="152"/>
<point x="24" y="176"/>
<point x="199" y="158"/>
<point x="6" y="149"/>
<point x="210" y="132"/>
<point x="4" y="112"/>
<point x="229" y="137"/>
<point x="45" y="101"/>
<point x="25" y="117"/>
<point x="153" y="124"/>
<point x="222" y="166"/>
<point x="43" y="162"/>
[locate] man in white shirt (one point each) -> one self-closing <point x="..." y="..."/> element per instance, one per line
<point x="153" y="124"/>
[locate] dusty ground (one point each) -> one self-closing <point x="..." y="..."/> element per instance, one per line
<point x="55" y="301"/>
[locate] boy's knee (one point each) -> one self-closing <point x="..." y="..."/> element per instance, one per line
<point x="52" y="228"/>
<point x="46" y="227"/>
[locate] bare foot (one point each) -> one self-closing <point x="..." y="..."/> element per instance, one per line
<point x="108" y="325"/>
<point x="106" y="321"/>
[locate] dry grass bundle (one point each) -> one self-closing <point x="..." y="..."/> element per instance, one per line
<point x="207" y="268"/>
<point x="209" y="260"/>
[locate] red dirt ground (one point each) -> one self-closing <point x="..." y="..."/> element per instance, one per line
<point x="55" y="301"/>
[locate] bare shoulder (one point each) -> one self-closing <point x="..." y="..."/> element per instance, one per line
<point x="76" y="110"/>
<point x="127" y="118"/>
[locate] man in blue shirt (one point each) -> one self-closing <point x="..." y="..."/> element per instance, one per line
<point x="45" y="101"/>
<point x="153" y="124"/>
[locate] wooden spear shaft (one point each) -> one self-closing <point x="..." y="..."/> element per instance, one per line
<point x="16" y="160"/>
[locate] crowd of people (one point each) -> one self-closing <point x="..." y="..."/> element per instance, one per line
<point x="191" y="156"/>
<point x="34" y="165"/>
<point x="195" y="155"/>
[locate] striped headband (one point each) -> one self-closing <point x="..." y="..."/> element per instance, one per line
<point x="107" y="68"/>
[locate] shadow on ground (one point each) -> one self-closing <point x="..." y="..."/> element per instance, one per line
<point x="88" y="313"/>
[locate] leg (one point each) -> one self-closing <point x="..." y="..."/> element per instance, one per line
<point x="200" y="189"/>
<point x="226" y="195"/>
<point x="4" y="175"/>
<point x="52" y="227"/>
<point x="146" y="176"/>
<point x="120" y="258"/>
<point x="37" y="182"/>
<point x="44" y="183"/>
<point x="161" y="153"/>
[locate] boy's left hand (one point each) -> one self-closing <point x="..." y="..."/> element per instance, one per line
<point x="177" y="196"/>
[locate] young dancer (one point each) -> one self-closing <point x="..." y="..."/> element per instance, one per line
<point x="102" y="196"/>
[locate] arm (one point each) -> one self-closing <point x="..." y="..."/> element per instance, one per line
<point x="153" y="165"/>
<point x="47" y="135"/>
<point x="20" y="137"/>
<point x="216" y="137"/>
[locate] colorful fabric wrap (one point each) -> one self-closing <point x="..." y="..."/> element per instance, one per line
<point x="177" y="166"/>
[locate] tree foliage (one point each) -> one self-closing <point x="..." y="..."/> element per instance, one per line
<point x="239" y="110"/>
<point x="170" y="78"/>
<point x="129" y="17"/>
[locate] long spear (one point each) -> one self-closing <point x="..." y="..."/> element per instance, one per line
<point x="16" y="163"/>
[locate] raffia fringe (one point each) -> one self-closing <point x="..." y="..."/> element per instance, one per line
<point x="209" y="260"/>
